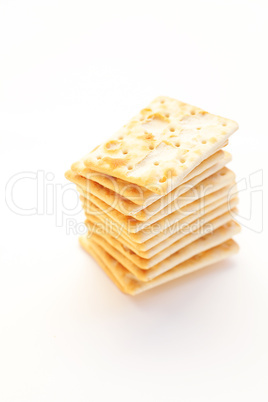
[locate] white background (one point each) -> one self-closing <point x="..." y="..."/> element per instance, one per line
<point x="72" y="73"/>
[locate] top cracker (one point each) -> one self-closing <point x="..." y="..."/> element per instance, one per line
<point x="161" y="145"/>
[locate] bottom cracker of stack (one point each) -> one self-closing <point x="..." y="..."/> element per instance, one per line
<point x="128" y="283"/>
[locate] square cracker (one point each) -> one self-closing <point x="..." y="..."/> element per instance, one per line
<point x="143" y="213"/>
<point x="161" y="145"/>
<point x="160" y="230"/>
<point x="131" y="249"/>
<point x="136" y="194"/>
<point x="213" y="183"/>
<point x="131" y="259"/>
<point x="130" y="285"/>
<point x="203" y="243"/>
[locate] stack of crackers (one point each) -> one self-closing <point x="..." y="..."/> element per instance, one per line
<point x="158" y="198"/>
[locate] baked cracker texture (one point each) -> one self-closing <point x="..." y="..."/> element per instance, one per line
<point x="158" y="198"/>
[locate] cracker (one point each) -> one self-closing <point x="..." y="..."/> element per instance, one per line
<point x="133" y="252"/>
<point x="109" y="244"/>
<point x="164" y="225"/>
<point x="161" y="145"/>
<point x="205" y="187"/>
<point x="196" y="245"/>
<point x="130" y="285"/>
<point x="150" y="208"/>
<point x="136" y="194"/>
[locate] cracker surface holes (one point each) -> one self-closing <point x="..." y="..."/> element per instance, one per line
<point x="112" y="145"/>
